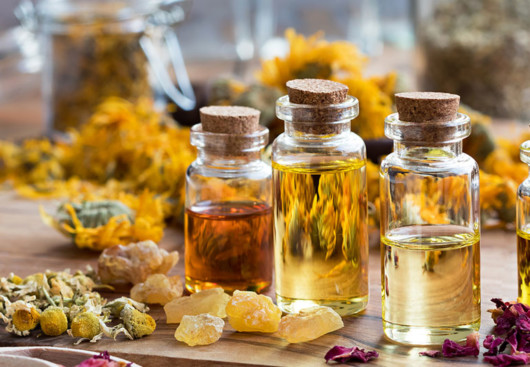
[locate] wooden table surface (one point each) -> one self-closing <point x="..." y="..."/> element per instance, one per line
<point x="28" y="246"/>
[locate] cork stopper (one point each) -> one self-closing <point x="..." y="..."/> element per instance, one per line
<point x="427" y="106"/>
<point x="316" y="91"/>
<point x="236" y="130"/>
<point x="317" y="105"/>
<point x="229" y="119"/>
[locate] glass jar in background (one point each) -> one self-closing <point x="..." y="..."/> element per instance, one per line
<point x="228" y="221"/>
<point x="478" y="49"/>
<point x="430" y="223"/>
<point x="523" y="232"/>
<point x="320" y="200"/>
<point x="96" y="49"/>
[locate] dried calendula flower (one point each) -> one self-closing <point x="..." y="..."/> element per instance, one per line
<point x="158" y="288"/>
<point x="86" y="325"/>
<point x="249" y="311"/>
<point x="211" y="301"/>
<point x="135" y="262"/>
<point x="100" y="224"/>
<point x="309" y="324"/>
<point x="137" y="323"/>
<point x="201" y="329"/>
<point x="53" y="321"/>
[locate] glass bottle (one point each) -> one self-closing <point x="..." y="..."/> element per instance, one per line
<point x="523" y="231"/>
<point x="97" y="49"/>
<point x="320" y="203"/>
<point x="430" y="223"/>
<point x="228" y="219"/>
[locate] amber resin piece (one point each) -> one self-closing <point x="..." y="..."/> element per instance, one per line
<point x="248" y="311"/>
<point x="309" y="324"/>
<point x="201" y="329"/>
<point x="158" y="288"/>
<point x="211" y="301"/>
<point x="135" y="262"/>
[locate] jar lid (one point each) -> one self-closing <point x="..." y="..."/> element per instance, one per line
<point x="86" y="11"/>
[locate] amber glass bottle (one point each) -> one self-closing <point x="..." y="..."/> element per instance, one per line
<point x="228" y="221"/>
<point x="320" y="200"/>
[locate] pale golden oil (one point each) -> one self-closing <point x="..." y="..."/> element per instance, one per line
<point x="321" y="236"/>
<point x="430" y="278"/>
<point x="523" y="265"/>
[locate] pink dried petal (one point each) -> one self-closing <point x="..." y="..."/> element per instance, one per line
<point x="512" y="340"/>
<point x="492" y="344"/>
<point x="500" y="304"/>
<point x="503" y="360"/>
<point x="100" y="360"/>
<point x="453" y="349"/>
<point x="523" y="323"/>
<point x="354" y="354"/>
<point x="505" y="322"/>
<point x="431" y="353"/>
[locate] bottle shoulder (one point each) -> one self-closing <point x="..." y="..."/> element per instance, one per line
<point x="285" y="149"/>
<point x="258" y="170"/>
<point x="461" y="164"/>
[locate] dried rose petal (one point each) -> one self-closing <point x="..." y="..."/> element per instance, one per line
<point x="453" y="349"/>
<point x="354" y="354"/>
<point x="503" y="360"/>
<point x="431" y="353"/>
<point x="492" y="344"/>
<point x="505" y="322"/>
<point x="523" y="323"/>
<point x="102" y="360"/>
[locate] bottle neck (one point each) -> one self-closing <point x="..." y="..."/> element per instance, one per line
<point x="213" y="159"/>
<point x="438" y="151"/>
<point x="315" y="131"/>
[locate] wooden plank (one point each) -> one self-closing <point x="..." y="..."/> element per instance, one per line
<point x="28" y="246"/>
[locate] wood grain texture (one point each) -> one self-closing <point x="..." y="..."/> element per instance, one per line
<point x="28" y="246"/>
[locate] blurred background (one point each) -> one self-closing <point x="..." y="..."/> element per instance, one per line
<point x="478" y="49"/>
<point x="63" y="63"/>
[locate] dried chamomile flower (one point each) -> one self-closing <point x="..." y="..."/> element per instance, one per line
<point x="115" y="307"/>
<point x="138" y="324"/>
<point x="22" y="317"/>
<point x="249" y="311"/>
<point x="158" y="288"/>
<point x="135" y="262"/>
<point x="201" y="329"/>
<point x="309" y="324"/>
<point x="85" y="325"/>
<point x="53" y="321"/>
<point x="211" y="301"/>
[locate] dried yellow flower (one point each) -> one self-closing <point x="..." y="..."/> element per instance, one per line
<point x="53" y="321"/>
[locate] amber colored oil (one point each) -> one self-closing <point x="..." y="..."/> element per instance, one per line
<point x="523" y="266"/>
<point x="430" y="278"/>
<point x="321" y="238"/>
<point x="228" y="245"/>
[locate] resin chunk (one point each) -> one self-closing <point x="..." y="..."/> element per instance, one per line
<point x="135" y="262"/>
<point x="212" y="301"/>
<point x="309" y="324"/>
<point x="201" y="329"/>
<point x="248" y="311"/>
<point x="158" y="288"/>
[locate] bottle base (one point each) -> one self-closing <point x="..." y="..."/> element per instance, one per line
<point x="415" y="335"/>
<point x="194" y="285"/>
<point x="344" y="307"/>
